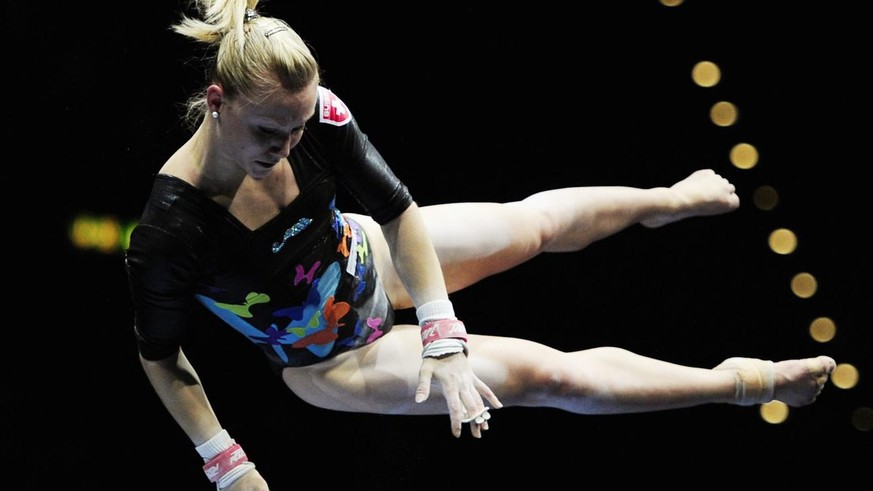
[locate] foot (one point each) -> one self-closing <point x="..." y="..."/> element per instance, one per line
<point x="799" y="382"/>
<point x="793" y="382"/>
<point x="702" y="193"/>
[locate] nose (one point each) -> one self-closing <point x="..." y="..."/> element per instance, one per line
<point x="283" y="147"/>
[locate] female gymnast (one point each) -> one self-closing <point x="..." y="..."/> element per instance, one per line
<point x="243" y="221"/>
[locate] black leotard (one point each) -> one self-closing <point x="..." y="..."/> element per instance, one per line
<point x="303" y="286"/>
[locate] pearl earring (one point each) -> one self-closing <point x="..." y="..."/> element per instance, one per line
<point x="214" y="114"/>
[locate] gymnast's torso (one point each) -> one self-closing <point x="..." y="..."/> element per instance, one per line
<point x="302" y="285"/>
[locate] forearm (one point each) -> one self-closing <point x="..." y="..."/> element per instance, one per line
<point x="443" y="336"/>
<point x="179" y="388"/>
<point x="414" y="257"/>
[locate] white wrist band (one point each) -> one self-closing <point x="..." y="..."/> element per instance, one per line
<point x="435" y="310"/>
<point x="226" y="468"/>
<point x="215" y="445"/>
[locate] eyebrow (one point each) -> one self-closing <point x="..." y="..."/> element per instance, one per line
<point x="267" y="121"/>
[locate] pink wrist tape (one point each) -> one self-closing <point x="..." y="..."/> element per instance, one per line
<point x="442" y="329"/>
<point x="224" y="462"/>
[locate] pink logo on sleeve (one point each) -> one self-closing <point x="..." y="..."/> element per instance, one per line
<point x="333" y="110"/>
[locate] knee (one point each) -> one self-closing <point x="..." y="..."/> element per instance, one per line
<point x="553" y="381"/>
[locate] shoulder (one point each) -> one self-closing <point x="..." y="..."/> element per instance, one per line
<point x="176" y="216"/>
<point x="335" y="131"/>
<point x="331" y="109"/>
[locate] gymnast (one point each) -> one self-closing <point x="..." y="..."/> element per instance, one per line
<point x="243" y="220"/>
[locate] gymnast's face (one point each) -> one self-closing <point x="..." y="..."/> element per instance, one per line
<point x="257" y="135"/>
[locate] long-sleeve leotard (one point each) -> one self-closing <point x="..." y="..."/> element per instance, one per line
<point x="303" y="287"/>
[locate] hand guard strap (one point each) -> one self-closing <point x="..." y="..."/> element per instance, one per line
<point x="443" y="337"/>
<point x="225" y="460"/>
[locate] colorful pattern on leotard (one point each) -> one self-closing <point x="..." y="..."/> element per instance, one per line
<point x="303" y="286"/>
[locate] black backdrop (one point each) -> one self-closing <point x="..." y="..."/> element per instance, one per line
<point x="467" y="103"/>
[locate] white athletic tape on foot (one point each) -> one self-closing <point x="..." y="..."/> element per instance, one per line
<point x="755" y="380"/>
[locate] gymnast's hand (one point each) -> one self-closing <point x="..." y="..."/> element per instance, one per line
<point x="462" y="389"/>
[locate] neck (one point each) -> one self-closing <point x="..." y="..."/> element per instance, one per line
<point x="199" y="162"/>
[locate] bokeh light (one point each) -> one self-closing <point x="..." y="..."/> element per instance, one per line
<point x="724" y="114"/>
<point x="782" y="241"/>
<point x="706" y="74"/>
<point x="845" y="376"/>
<point x="774" y="412"/>
<point x="822" y="329"/>
<point x="765" y="198"/>
<point x="744" y="156"/>
<point x="804" y="285"/>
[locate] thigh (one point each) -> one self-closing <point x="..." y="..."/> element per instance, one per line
<point x="472" y="240"/>
<point x="381" y="254"/>
<point x="380" y="377"/>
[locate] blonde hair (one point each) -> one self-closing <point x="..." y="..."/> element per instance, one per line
<point x="250" y="54"/>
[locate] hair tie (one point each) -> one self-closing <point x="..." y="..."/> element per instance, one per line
<point x="250" y="14"/>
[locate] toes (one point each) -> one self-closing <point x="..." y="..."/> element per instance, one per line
<point x="822" y="366"/>
<point x="830" y="363"/>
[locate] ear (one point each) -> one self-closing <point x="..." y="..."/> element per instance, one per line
<point x="214" y="96"/>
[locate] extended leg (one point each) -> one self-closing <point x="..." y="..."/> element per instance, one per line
<point x="477" y="240"/>
<point x="381" y="378"/>
<point x="612" y="380"/>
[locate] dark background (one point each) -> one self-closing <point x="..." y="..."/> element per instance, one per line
<point x="466" y="103"/>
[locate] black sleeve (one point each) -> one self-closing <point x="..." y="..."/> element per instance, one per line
<point x="158" y="270"/>
<point x="357" y="164"/>
<point x="371" y="181"/>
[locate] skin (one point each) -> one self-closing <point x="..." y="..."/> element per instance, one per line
<point x="240" y="161"/>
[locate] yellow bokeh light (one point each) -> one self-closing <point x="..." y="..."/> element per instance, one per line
<point x="774" y="412"/>
<point x="822" y="329"/>
<point x="782" y="241"/>
<point x="804" y="285"/>
<point x="706" y="74"/>
<point x="723" y="114"/>
<point x="744" y="156"/>
<point x="671" y="3"/>
<point x="103" y="234"/>
<point x="845" y="376"/>
<point x="95" y="233"/>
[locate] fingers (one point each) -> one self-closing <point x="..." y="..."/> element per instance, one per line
<point x="422" y="392"/>
<point x="464" y="392"/>
<point x="462" y="404"/>
<point x="466" y="406"/>
<point x="478" y="422"/>
<point x="486" y="392"/>
<point x="456" y="415"/>
<point x="474" y="410"/>
<point x="478" y="418"/>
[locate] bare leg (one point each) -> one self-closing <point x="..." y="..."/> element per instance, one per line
<point x="477" y="240"/>
<point x="609" y="380"/>
<point x="703" y="193"/>
<point x="381" y="378"/>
